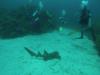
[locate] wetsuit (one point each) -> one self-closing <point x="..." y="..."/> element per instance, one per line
<point x="85" y="20"/>
<point x="84" y="17"/>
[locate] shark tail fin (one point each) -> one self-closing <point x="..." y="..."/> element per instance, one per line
<point x="30" y="52"/>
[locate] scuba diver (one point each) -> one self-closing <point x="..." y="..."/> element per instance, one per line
<point x="41" y="19"/>
<point x="85" y="20"/>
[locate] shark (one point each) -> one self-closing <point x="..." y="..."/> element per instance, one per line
<point x="45" y="56"/>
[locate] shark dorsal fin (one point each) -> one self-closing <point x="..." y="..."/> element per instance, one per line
<point x="45" y="52"/>
<point x="39" y="54"/>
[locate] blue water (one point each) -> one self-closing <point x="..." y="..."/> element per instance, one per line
<point x="71" y="6"/>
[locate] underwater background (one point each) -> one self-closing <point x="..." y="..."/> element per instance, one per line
<point x="56" y="6"/>
<point x="50" y="45"/>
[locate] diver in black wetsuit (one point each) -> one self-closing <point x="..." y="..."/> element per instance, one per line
<point x="85" y="21"/>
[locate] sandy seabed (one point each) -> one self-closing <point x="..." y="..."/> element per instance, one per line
<point x="78" y="56"/>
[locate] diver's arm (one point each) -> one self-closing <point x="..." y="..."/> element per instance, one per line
<point x="90" y="21"/>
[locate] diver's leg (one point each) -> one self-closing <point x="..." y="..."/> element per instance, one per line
<point x="83" y="29"/>
<point x="82" y="33"/>
<point x="93" y="34"/>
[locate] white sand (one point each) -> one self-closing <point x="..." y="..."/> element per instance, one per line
<point x="78" y="56"/>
